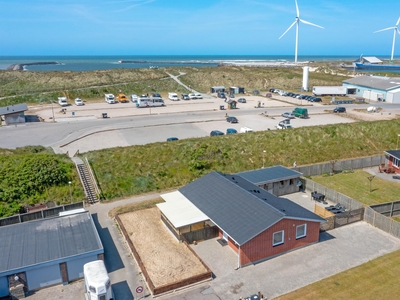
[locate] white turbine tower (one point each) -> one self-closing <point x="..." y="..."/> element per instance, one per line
<point x="395" y="30"/>
<point x="296" y="22"/>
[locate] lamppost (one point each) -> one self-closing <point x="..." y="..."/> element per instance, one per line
<point x="397" y="144"/>
<point x="52" y="110"/>
<point x="263" y="158"/>
<point x="70" y="190"/>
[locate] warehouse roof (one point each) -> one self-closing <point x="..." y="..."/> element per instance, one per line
<point x="375" y="82"/>
<point x="271" y="174"/>
<point x="240" y="208"/>
<point x="44" y="240"/>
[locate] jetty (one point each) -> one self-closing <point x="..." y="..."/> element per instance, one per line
<point x="19" y="67"/>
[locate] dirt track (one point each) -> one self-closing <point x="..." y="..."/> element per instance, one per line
<point x="165" y="259"/>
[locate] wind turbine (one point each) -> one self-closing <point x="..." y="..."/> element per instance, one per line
<point x="296" y="22"/>
<point x="395" y="28"/>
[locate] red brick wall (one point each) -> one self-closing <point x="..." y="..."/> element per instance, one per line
<point x="260" y="247"/>
<point x="390" y="164"/>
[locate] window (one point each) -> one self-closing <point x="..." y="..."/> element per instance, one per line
<point x="278" y="238"/>
<point x="282" y="183"/>
<point x="395" y="162"/>
<point x="301" y="231"/>
<point x="291" y="182"/>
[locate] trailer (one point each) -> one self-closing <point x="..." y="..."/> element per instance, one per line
<point x="97" y="282"/>
<point x="330" y="90"/>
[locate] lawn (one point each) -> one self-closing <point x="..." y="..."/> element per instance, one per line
<point x="376" y="279"/>
<point x="357" y="186"/>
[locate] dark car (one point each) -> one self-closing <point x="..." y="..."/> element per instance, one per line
<point x="216" y="132"/>
<point x="316" y="100"/>
<point x="231" y="96"/>
<point x="231" y="131"/>
<point x="185" y="97"/>
<point x="339" y="109"/>
<point x="171" y="139"/>
<point x="156" y="95"/>
<point x="232" y="119"/>
<point x="242" y="100"/>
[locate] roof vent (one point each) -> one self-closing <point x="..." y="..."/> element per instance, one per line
<point x="283" y="210"/>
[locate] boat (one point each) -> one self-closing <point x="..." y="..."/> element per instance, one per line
<point x="367" y="66"/>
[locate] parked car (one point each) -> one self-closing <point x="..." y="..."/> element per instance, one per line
<point x="242" y="100"/>
<point x="171" y="139"/>
<point x="232" y="119"/>
<point x="156" y="95"/>
<point x="134" y="98"/>
<point x="198" y="96"/>
<point x="316" y="99"/>
<point x="271" y="90"/>
<point x="192" y="96"/>
<point x="339" y="109"/>
<point x="288" y="115"/>
<point x="231" y="96"/>
<point x="245" y="129"/>
<point x="221" y="95"/>
<point x="78" y="102"/>
<point x="216" y="132"/>
<point x="185" y="97"/>
<point x="282" y="125"/>
<point x="231" y="131"/>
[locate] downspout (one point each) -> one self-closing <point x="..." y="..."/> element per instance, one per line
<point x="238" y="267"/>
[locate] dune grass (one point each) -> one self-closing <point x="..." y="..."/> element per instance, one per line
<point x="163" y="165"/>
<point x="376" y="279"/>
<point x="357" y="186"/>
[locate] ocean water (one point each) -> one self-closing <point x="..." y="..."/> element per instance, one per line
<point x="89" y="63"/>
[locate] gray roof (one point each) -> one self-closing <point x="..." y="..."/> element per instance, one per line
<point x="271" y="174"/>
<point x="394" y="153"/>
<point x="375" y="82"/>
<point x="45" y="240"/>
<point x="240" y="208"/>
<point x="12" y="109"/>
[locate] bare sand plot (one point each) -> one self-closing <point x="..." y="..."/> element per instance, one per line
<point x="164" y="257"/>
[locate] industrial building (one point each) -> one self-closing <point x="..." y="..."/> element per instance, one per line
<point x="375" y="88"/>
<point x="13" y="114"/>
<point x="45" y="252"/>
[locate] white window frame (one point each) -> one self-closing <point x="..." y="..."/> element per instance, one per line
<point x="280" y="242"/>
<point x="395" y="162"/>
<point x="305" y="231"/>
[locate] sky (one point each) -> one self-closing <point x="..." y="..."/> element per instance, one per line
<point x="196" y="27"/>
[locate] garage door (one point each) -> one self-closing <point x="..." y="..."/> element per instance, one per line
<point x="44" y="276"/>
<point x="4" y="286"/>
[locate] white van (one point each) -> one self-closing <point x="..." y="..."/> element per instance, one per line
<point x="148" y="102"/>
<point x="245" y="129"/>
<point x="110" y="99"/>
<point x="63" y="101"/>
<point x="173" y="96"/>
<point x="97" y="282"/>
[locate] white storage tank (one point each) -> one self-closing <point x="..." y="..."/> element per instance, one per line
<point x="305" y="78"/>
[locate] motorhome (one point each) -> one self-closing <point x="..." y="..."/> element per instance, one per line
<point x="63" y="101"/>
<point x="109" y="98"/>
<point x="173" y="96"/>
<point x="97" y="283"/>
<point x="149" y="102"/>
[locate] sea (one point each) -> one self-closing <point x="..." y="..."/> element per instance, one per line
<point x="90" y="63"/>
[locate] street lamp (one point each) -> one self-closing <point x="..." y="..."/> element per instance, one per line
<point x="52" y="110"/>
<point x="397" y="145"/>
<point x="70" y="190"/>
<point x="263" y="158"/>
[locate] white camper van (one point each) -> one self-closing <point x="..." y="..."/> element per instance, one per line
<point x="173" y="96"/>
<point x="110" y="99"/>
<point x="97" y="282"/>
<point x="63" y="101"/>
<point x="148" y="102"/>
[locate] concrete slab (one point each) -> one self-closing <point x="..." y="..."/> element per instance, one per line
<point x="339" y="249"/>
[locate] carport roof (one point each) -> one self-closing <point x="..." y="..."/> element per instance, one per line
<point x="180" y="211"/>
<point x="375" y="82"/>
<point x="271" y="174"/>
<point x="45" y="240"/>
<point x="240" y="208"/>
<point x="12" y="109"/>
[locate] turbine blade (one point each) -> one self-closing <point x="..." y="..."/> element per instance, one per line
<point x="306" y="22"/>
<point x="385" y="29"/>
<point x="398" y="21"/>
<point x="288" y="29"/>
<point x="297" y="9"/>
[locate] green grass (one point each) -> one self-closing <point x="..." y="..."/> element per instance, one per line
<point x="357" y="186"/>
<point x="134" y="206"/>
<point x="376" y="279"/>
<point x="161" y="166"/>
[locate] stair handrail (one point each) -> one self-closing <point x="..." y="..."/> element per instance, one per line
<point x="92" y="178"/>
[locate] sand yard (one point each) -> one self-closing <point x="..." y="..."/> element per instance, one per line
<point x="165" y="258"/>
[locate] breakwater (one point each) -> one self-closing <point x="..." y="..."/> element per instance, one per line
<point x="19" y="67"/>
